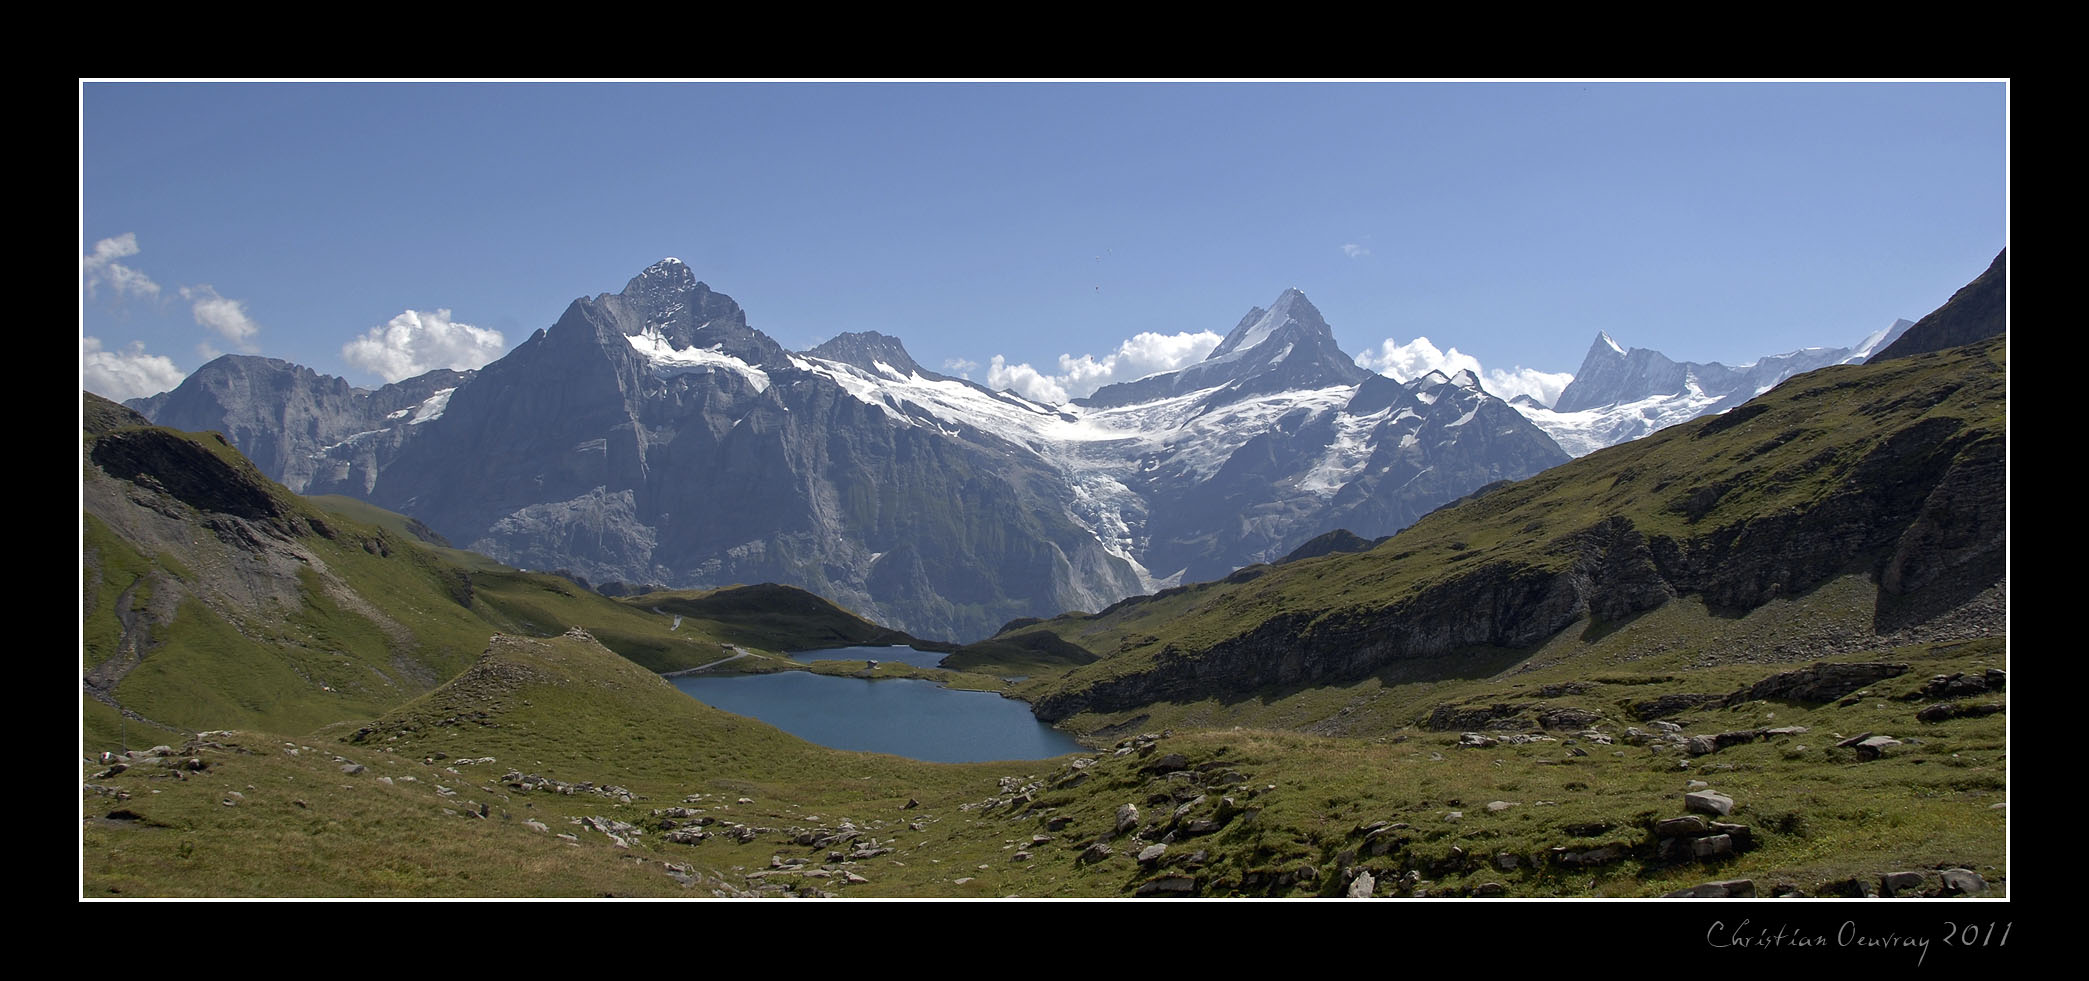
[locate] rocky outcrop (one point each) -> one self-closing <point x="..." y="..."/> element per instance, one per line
<point x="1339" y="540"/>
<point x="1945" y="711"/>
<point x="1818" y="683"/>
<point x="1936" y="474"/>
<point x="182" y="469"/>
<point x="1959" y="685"/>
<point x="1663" y="706"/>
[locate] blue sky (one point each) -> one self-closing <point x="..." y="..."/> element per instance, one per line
<point x="1030" y="221"/>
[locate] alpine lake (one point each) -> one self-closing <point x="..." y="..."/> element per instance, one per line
<point x="902" y="716"/>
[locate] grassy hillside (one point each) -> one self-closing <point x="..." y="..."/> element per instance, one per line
<point x="466" y="790"/>
<point x="216" y="598"/>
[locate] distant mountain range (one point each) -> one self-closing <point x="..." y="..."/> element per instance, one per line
<point x="653" y="436"/>
<point x="1621" y="394"/>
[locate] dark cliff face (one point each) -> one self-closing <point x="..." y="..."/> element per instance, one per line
<point x="1978" y="310"/>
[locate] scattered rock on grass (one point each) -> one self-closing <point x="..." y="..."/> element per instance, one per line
<point x="1900" y="883"/>
<point x="1963" y="882"/>
<point x="1725" y="889"/>
<point x="1708" y="802"/>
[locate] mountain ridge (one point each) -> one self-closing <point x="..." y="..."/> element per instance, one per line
<point x="1977" y="310"/>
<point x="654" y="435"/>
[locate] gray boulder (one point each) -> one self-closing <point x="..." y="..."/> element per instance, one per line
<point x="1708" y="802"/>
<point x="1726" y="889"/>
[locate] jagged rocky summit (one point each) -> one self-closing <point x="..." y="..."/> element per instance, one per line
<point x="653" y="435"/>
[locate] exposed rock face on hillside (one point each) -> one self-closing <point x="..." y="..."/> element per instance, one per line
<point x="1978" y="310"/>
<point x="195" y="567"/>
<point x="1339" y="540"/>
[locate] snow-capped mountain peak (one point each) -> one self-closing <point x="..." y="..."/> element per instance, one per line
<point x="1291" y="307"/>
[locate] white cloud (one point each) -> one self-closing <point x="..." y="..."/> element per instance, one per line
<point x="1418" y="357"/>
<point x="1545" y="386"/>
<point x="417" y="342"/>
<point x="1354" y="250"/>
<point x="227" y="317"/>
<point x="1145" y="354"/>
<point x="964" y="367"/>
<point x="100" y="268"/>
<point x="1024" y="380"/>
<point x="127" y="373"/>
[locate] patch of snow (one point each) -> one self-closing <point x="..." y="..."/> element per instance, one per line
<point x="350" y="439"/>
<point x="432" y="407"/>
<point x="1584" y="432"/>
<point x="1262" y="328"/>
<point x="1345" y="456"/>
<point x="668" y="361"/>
